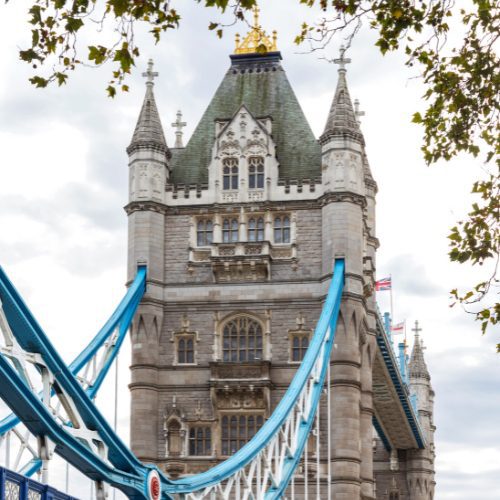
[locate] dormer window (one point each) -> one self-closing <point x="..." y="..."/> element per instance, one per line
<point x="230" y="173"/>
<point x="256" y="172"/>
<point x="282" y="229"/>
<point x="230" y="230"/>
<point x="204" y="233"/>
<point x="256" y="229"/>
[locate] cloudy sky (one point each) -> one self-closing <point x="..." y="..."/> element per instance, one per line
<point x="63" y="185"/>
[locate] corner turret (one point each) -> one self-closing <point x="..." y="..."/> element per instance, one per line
<point x="342" y="143"/>
<point x="148" y="151"/>
<point x="420" y="476"/>
<point x="342" y="119"/>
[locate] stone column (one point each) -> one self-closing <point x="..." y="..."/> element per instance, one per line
<point x="345" y="407"/>
<point x="367" y="480"/>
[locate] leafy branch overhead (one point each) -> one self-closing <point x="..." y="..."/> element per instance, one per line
<point x="454" y="50"/>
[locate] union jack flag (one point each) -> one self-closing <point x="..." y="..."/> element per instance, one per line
<point x="383" y="284"/>
<point x="398" y="327"/>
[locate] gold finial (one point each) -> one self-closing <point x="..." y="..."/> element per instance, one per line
<point x="256" y="40"/>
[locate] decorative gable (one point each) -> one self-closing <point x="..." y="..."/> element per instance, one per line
<point x="244" y="164"/>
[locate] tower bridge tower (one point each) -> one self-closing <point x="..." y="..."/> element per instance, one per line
<point x="239" y="229"/>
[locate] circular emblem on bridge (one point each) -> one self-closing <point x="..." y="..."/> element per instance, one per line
<point x="154" y="485"/>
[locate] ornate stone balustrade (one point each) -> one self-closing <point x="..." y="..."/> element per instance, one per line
<point x="243" y="260"/>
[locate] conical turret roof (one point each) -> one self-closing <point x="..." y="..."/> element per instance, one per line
<point x="341" y="119"/>
<point x="149" y="131"/>
<point x="417" y="366"/>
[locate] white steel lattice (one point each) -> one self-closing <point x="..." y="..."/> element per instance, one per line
<point x="18" y="443"/>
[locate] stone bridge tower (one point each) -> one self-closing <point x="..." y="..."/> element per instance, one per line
<point x="240" y="229"/>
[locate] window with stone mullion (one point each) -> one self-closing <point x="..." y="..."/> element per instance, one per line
<point x="256" y="229"/>
<point x="200" y="441"/>
<point x="230" y="174"/>
<point x="237" y="430"/>
<point x="282" y="229"/>
<point x="242" y="341"/>
<point x="185" y="350"/>
<point x="204" y="233"/>
<point x="230" y="228"/>
<point x="300" y="343"/>
<point x="256" y="172"/>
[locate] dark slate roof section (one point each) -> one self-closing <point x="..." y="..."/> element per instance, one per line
<point x="417" y="366"/>
<point x="341" y="120"/>
<point x="148" y="132"/>
<point x="259" y="82"/>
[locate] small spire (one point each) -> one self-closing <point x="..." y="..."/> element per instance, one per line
<point x="149" y="131"/>
<point x="178" y="125"/>
<point x="342" y="119"/>
<point x="256" y="41"/>
<point x="417" y="366"/>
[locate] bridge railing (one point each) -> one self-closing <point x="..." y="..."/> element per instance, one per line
<point x="14" y="486"/>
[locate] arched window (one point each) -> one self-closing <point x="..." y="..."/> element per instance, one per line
<point x="256" y="229"/>
<point x="185" y="350"/>
<point x="242" y="340"/>
<point x="237" y="430"/>
<point x="300" y="343"/>
<point x="255" y="172"/>
<point x="394" y="496"/>
<point x="282" y="229"/>
<point x="200" y="441"/>
<point x="230" y="173"/>
<point x="230" y="230"/>
<point x="204" y="233"/>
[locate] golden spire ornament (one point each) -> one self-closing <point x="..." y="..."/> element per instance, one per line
<point x="257" y="41"/>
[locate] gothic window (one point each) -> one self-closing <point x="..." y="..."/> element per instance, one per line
<point x="299" y="345"/>
<point x="185" y="349"/>
<point x="230" y="230"/>
<point x="204" y="233"/>
<point x="256" y="229"/>
<point x="237" y="430"/>
<point x="230" y="173"/>
<point x="242" y="340"/>
<point x="282" y="229"/>
<point x="200" y="441"/>
<point x="256" y="172"/>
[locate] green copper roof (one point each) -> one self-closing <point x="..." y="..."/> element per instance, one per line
<point x="260" y="83"/>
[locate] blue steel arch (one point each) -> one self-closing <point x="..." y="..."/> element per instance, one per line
<point x="124" y="470"/>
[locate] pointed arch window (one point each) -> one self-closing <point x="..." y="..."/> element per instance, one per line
<point x="256" y="172"/>
<point x="300" y="343"/>
<point x="185" y="349"/>
<point x="230" y="230"/>
<point x="242" y="340"/>
<point x="230" y="173"/>
<point x="204" y="233"/>
<point x="282" y="229"/>
<point x="237" y="430"/>
<point x="256" y="229"/>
